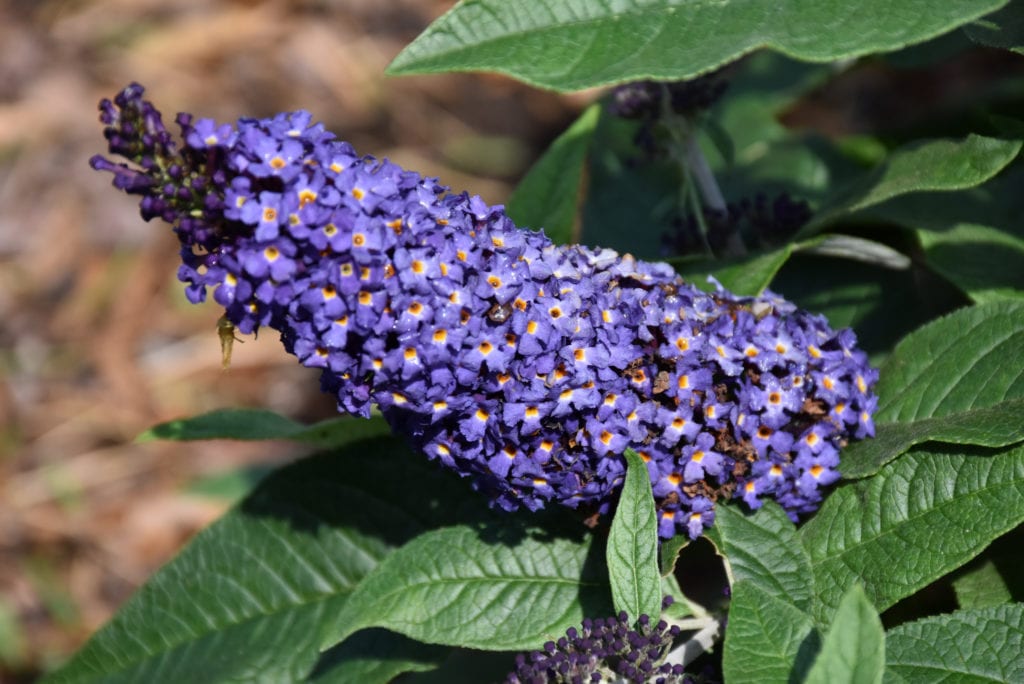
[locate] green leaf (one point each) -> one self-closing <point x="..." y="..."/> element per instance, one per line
<point x="549" y="195"/>
<point x="986" y="263"/>
<point x="627" y="205"/>
<point x="632" y="551"/>
<point x="919" y="518"/>
<point x="967" y="360"/>
<point x="768" y="638"/>
<point x="880" y="304"/>
<point x="1002" y="29"/>
<point x="995" y="426"/>
<point x="231" y="485"/>
<point x="464" y="665"/>
<point x="981" y="587"/>
<point x="854" y="647"/>
<point x="491" y="587"/>
<point x="747" y="276"/>
<point x="966" y="647"/>
<point x="375" y="656"/>
<point x="259" y="424"/>
<point x="973" y="238"/>
<point x="681" y="606"/>
<point x="750" y="275"/>
<point x="248" y="597"/>
<point x="669" y="553"/>
<point x="575" y="45"/>
<point x="762" y="549"/>
<point x="926" y="165"/>
<point x="857" y="249"/>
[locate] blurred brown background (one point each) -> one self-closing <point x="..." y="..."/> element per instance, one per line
<point x="97" y="342"/>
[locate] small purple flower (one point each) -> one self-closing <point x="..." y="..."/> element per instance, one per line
<point x="206" y="133"/>
<point x="266" y="214"/>
<point x="701" y="460"/>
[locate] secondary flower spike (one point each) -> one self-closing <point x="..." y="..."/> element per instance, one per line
<point x="604" y="650"/>
<point x="527" y="366"/>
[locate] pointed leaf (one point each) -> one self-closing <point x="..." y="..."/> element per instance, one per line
<point x="579" y="44"/>
<point x="767" y="638"/>
<point x="258" y="424"/>
<point x="471" y="587"/>
<point x="853" y="650"/>
<point x="967" y="360"/>
<point x="549" y="194"/>
<point x="926" y="165"/>
<point x="632" y="551"/>
<point x="762" y="548"/>
<point x="996" y="426"/>
<point x="919" y="518"/>
<point x="966" y="647"/>
<point x="247" y="598"/>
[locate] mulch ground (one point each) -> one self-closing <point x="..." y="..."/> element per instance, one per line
<point x="97" y="342"/>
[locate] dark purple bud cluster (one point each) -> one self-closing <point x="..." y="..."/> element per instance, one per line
<point x="655" y="103"/>
<point x="526" y="366"/>
<point x="604" y="650"/>
<point x="760" y="221"/>
<point x="649" y="99"/>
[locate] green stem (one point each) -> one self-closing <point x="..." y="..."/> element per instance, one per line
<point x="700" y="189"/>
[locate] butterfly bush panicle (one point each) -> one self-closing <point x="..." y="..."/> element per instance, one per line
<point x="526" y="366"/>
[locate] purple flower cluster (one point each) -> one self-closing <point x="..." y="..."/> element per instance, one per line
<point x="526" y="366"/>
<point x="604" y="650"/>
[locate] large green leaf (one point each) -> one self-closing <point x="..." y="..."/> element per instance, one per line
<point x="549" y="194"/>
<point x="487" y="587"/>
<point x="632" y="551"/>
<point x="768" y="639"/>
<point x="919" y="518"/>
<point x="995" y="426"/>
<point x="922" y="166"/>
<point x="575" y="44"/>
<point x="247" y="598"/>
<point x="853" y="650"/>
<point x="967" y="360"/>
<point x="762" y="549"/>
<point x="968" y="647"/>
<point x="258" y="424"/>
